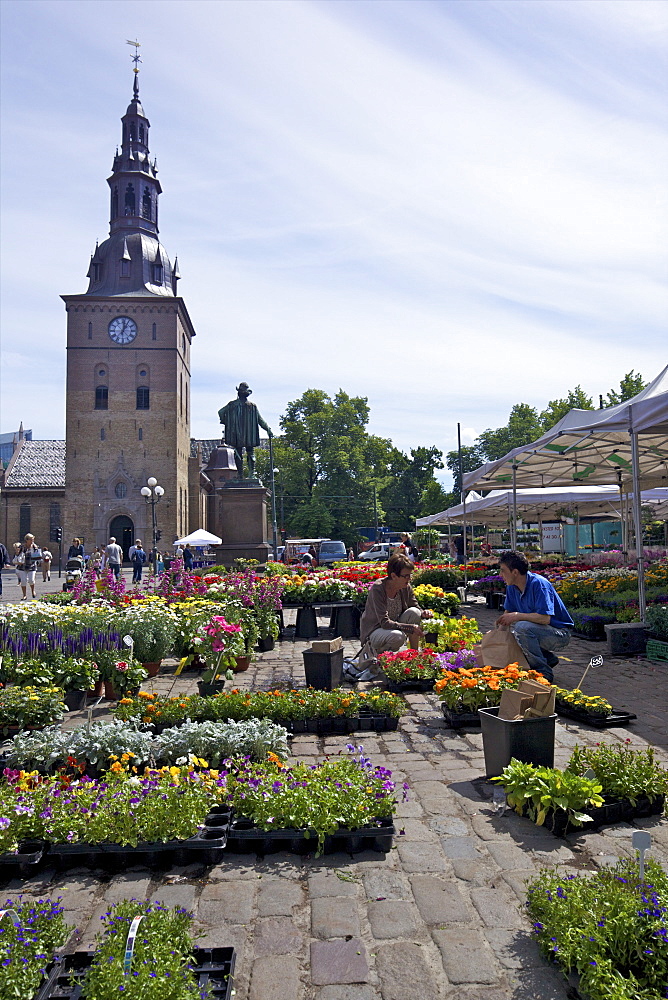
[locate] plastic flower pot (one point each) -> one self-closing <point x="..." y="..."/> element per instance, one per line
<point x="75" y="700"/>
<point x="323" y="670"/>
<point x="209" y="688"/>
<point x="241" y="663"/>
<point x="153" y="668"/>
<point x="264" y="644"/>
<point x="528" y="740"/>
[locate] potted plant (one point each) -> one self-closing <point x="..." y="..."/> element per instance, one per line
<point x="31" y="931"/>
<point x="411" y="669"/>
<point x="465" y="690"/>
<point x="222" y="642"/>
<point x="657" y="620"/>
<point x="29" y="708"/>
<point x="76" y="675"/>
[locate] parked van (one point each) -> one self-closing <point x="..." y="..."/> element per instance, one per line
<point x="331" y="552"/>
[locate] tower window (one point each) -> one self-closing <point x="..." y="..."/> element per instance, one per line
<point x="132" y="130"/>
<point x="24" y="519"/>
<point x="146" y="204"/>
<point x="121" y="490"/>
<point x="101" y="433"/>
<point x="157" y="274"/>
<point x="101" y="397"/>
<point x="155" y="332"/>
<point x="114" y="203"/>
<point x="97" y="272"/>
<point x="183" y="342"/>
<point x="130" y="200"/>
<point x="141" y="133"/>
<point x="141" y="434"/>
<point x="102" y="372"/>
<point x="90" y="331"/>
<point x="125" y="269"/>
<point x="143" y="373"/>
<point x="143" y="397"/>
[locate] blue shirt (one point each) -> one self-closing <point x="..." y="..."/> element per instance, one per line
<point x="539" y="598"/>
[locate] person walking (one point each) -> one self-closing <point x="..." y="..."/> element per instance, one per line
<point x="114" y="557"/>
<point x="76" y="549"/>
<point x="4" y="561"/>
<point x="95" y="561"/>
<point x="27" y="561"/>
<point x="138" y="558"/>
<point x="47" y="559"/>
<point x="188" y="558"/>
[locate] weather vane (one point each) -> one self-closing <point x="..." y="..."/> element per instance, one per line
<point x="136" y="58"/>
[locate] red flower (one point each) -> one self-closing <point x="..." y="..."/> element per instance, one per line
<point x="407" y="670"/>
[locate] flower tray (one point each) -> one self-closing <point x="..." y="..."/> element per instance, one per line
<point x="213" y="968"/>
<point x="591" y="719"/>
<point x="336" y="725"/>
<point x="24" y="862"/>
<point x="657" y="650"/>
<point x="457" y="720"/>
<point x="244" y="838"/>
<point x="419" y="684"/>
<point x="611" y="812"/>
<point x="206" y="847"/>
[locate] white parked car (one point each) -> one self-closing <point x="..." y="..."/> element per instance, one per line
<point x="381" y="550"/>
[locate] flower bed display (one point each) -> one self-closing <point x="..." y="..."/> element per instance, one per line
<point x="334" y="798"/>
<point x="454" y="634"/>
<point x="609" y="928"/>
<point x="283" y="707"/>
<point x="606" y="784"/>
<point x="163" y="963"/>
<point x="411" y="669"/>
<point x="464" y="691"/>
<point x="589" y="623"/>
<point x="29" y="708"/>
<point x="590" y="709"/>
<point x="29" y="936"/>
<point x="436" y="599"/>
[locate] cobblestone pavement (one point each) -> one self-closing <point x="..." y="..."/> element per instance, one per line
<point x="441" y="916"/>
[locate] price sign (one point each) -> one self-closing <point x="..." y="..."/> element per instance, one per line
<point x="130" y="944"/>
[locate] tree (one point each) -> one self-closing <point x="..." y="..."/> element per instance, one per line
<point x="472" y="458"/>
<point x="408" y="479"/>
<point x="629" y="387"/>
<point x="524" y="425"/>
<point x="433" y="499"/>
<point x="558" y="408"/>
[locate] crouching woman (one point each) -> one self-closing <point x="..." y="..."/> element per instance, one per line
<point x="392" y="614"/>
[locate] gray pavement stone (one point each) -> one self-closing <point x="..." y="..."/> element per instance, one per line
<point x="419" y="857"/>
<point x="440" y="901"/>
<point x="517" y="880"/>
<point x="544" y="983"/>
<point x="475" y="872"/>
<point x="226" y="902"/>
<point x="508" y="856"/>
<point x="277" y="936"/>
<point x="460" y="847"/>
<point x="276" y="977"/>
<point x="394" y="918"/>
<point x="390" y="884"/>
<point x="327" y="883"/>
<point x="334" y="917"/>
<point x="497" y="907"/>
<point x="450" y="826"/>
<point x="404" y="970"/>
<point x="278" y="897"/>
<point x="182" y="894"/>
<point x="354" y="992"/>
<point x="339" y="962"/>
<point x="415" y="829"/>
<point x="466" y="956"/>
<point x="515" y="949"/>
<point x="130" y="886"/>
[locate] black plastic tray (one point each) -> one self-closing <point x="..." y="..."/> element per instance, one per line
<point x="341" y="725"/>
<point x="398" y="687"/>
<point x="457" y="720"/>
<point x="206" y="847"/>
<point x="610" y="813"/>
<point x="588" y="638"/>
<point x="590" y="719"/>
<point x="213" y="969"/>
<point x="24" y="862"/>
<point x="244" y="838"/>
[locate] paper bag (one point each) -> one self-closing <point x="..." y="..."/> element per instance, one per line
<point x="499" y="648"/>
<point x="543" y="698"/>
<point x="514" y="704"/>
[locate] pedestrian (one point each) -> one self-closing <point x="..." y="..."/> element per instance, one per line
<point x="407" y="545"/>
<point x="95" y="561"/>
<point x="76" y="549"/>
<point x="27" y="561"/>
<point x="351" y="554"/>
<point x="114" y="557"/>
<point x="4" y="561"/>
<point x="138" y="558"/>
<point x="47" y="559"/>
<point x="188" y="558"/>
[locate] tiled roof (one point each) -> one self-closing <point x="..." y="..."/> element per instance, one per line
<point x="38" y="464"/>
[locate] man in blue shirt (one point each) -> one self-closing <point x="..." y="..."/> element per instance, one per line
<point x="535" y="614"/>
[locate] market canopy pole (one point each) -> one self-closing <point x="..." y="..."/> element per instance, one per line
<point x="513" y="529"/>
<point x="462" y="497"/>
<point x="637" y="518"/>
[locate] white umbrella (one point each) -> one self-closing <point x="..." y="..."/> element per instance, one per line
<point x="199" y="538"/>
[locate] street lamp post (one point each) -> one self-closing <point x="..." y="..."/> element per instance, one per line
<point x="153" y="494"/>
<point x="274" y="532"/>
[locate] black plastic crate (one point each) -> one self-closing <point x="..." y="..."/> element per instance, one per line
<point x="609" y="814"/>
<point x="341" y="725"/>
<point x="206" y="847"/>
<point x="213" y="969"/>
<point x="245" y="838"/>
<point x="24" y="862"/>
<point x="591" y="719"/>
<point x="458" y="720"/>
<point x="420" y="685"/>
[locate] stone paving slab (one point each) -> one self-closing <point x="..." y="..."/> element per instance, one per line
<point x="442" y="915"/>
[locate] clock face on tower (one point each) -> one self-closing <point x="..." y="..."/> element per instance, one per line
<point x="123" y="330"/>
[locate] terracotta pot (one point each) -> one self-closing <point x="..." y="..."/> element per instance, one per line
<point x="96" y="692"/>
<point x="109" y="691"/>
<point x="152" y="668"/>
<point x="241" y="663"/>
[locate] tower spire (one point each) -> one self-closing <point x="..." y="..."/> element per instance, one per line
<point x="136" y="58"/>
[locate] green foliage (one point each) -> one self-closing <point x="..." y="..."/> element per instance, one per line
<point x="31" y="706"/>
<point x="433" y="500"/>
<point x="473" y="456"/>
<point x="438" y="576"/>
<point x="524" y="425"/>
<point x="623" y="773"/>
<point x="629" y="387"/>
<point x="657" y="619"/>
<point x="609" y="927"/>
<point x="26" y="949"/>
<point x="557" y="408"/>
<point x="536" y="791"/>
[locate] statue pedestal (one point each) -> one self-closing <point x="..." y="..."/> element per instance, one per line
<point x="242" y="522"/>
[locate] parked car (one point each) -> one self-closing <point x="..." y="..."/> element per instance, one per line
<point x="381" y="550"/>
<point x="331" y="552"/>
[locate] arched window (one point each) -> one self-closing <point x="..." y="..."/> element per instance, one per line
<point x="143" y="397"/>
<point x="157" y="274"/>
<point x="101" y="433"/>
<point x="114" y="203"/>
<point x="183" y="342"/>
<point x="125" y="269"/>
<point x="141" y="434"/>
<point x="180" y="393"/>
<point x="130" y="200"/>
<point x="146" y="204"/>
<point x="101" y="397"/>
<point x="121" y="490"/>
<point x="132" y="130"/>
<point x="155" y="332"/>
<point x="24" y="519"/>
<point x="97" y="272"/>
<point x="141" y="133"/>
<point x="90" y="331"/>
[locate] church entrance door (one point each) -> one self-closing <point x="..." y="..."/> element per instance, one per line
<point x="123" y="530"/>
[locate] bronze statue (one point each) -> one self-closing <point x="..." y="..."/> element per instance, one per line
<point x="242" y="421"/>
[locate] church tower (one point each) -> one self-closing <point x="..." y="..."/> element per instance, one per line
<point x="128" y="366"/>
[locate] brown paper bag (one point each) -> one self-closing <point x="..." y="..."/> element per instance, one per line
<point x="499" y="648"/>
<point x="543" y="698"/>
<point x="514" y="704"/>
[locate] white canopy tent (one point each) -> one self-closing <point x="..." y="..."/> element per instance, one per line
<point x="199" y="538"/>
<point x="586" y="446"/>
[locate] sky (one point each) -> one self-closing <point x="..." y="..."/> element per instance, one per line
<point x="447" y="206"/>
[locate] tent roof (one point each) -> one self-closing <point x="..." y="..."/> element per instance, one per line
<point x="591" y="446"/>
<point x="496" y="507"/>
<point x="199" y="538"/>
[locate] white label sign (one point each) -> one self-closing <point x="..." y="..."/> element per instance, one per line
<point x="552" y="541"/>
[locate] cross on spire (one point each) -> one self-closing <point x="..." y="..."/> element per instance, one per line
<point x="136" y="58"/>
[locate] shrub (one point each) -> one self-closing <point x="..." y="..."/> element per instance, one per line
<point x="657" y="619"/>
<point x="438" y="576"/>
